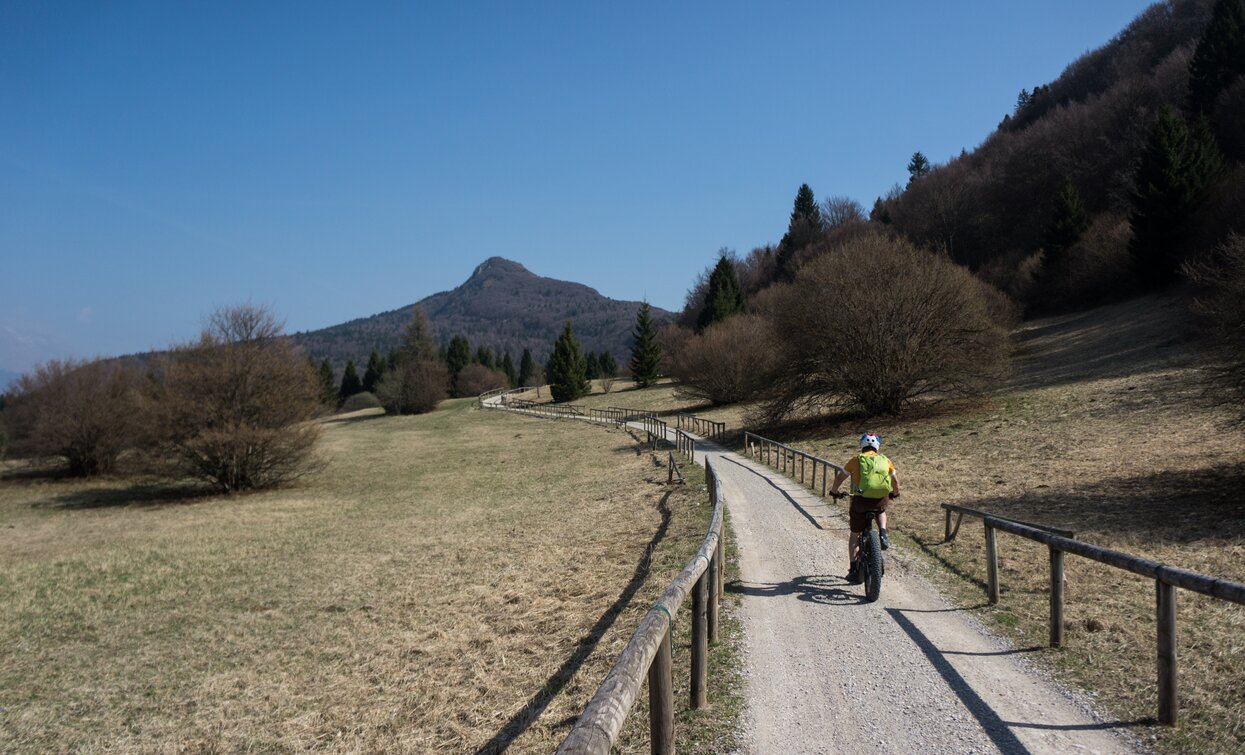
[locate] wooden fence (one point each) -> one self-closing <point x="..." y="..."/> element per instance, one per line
<point x="791" y="461"/>
<point x="706" y="428"/>
<point x="649" y="652"/>
<point x="1166" y="580"/>
<point x="960" y="511"/>
<point x="686" y="444"/>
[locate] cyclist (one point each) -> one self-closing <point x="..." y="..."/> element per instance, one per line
<point x="874" y="483"/>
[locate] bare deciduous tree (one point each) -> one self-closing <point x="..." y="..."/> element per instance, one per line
<point x="1222" y="306"/>
<point x="729" y="362"/>
<point x="234" y="408"/>
<point x="475" y="379"/>
<point x="878" y="323"/>
<point x="87" y="412"/>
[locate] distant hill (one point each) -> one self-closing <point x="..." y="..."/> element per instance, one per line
<point x="502" y="306"/>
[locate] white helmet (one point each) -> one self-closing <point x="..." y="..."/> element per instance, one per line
<point x="871" y="440"/>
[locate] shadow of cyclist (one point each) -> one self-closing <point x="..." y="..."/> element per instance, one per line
<point x="814" y="588"/>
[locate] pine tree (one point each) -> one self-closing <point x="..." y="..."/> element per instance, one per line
<point x="592" y="368"/>
<point x="724" y="298"/>
<point x="484" y="357"/>
<point x="457" y="356"/>
<point x="328" y="385"/>
<point x="527" y="369"/>
<point x="879" y="213"/>
<point x="1174" y="175"/>
<point x="802" y="229"/>
<point x="567" y="368"/>
<point x="417" y="344"/>
<point x="919" y="165"/>
<point x="1022" y="101"/>
<point x="1068" y="221"/>
<point x="374" y="372"/>
<point x="645" y="353"/>
<point x="1220" y="56"/>
<point x="350" y="383"/>
<point x="609" y="366"/>
<point x="507" y="366"/>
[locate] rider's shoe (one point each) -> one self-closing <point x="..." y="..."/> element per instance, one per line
<point x="853" y="576"/>
<point x="886" y="541"/>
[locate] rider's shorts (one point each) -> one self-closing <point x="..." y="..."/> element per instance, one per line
<point x="860" y="506"/>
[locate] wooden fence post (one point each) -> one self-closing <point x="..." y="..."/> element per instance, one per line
<point x="661" y="699"/>
<point x="992" y="567"/>
<point x="715" y="589"/>
<point x="1165" y="608"/>
<point x="1056" y="594"/>
<point x="946" y="538"/>
<point x="700" y="640"/>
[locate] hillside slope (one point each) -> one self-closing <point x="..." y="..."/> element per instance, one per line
<point x="502" y="306"/>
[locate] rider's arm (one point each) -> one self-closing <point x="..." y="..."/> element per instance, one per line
<point x="839" y="477"/>
<point x="894" y="484"/>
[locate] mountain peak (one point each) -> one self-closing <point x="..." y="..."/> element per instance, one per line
<point x="496" y="266"/>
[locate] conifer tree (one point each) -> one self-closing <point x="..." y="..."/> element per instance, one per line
<point x="527" y="369"/>
<point x="417" y="344"/>
<point x="328" y="385"/>
<point x="645" y="353"/>
<point x="507" y="366"/>
<point x="484" y="357"/>
<point x="919" y="165"/>
<point x="457" y="356"/>
<point x="1175" y="172"/>
<point x="802" y="229"/>
<point x="350" y="382"/>
<point x="592" y="366"/>
<point x="609" y="366"/>
<point x="374" y="372"/>
<point x="1220" y="56"/>
<point x="724" y="297"/>
<point x="1068" y="221"/>
<point x="567" y="367"/>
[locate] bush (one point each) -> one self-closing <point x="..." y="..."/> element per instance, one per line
<point x="476" y="379"/>
<point x="878" y="323"/>
<point x="1221" y="305"/>
<point x="729" y="362"/>
<point x="233" y="409"/>
<point x="414" y="387"/>
<point x="87" y="412"/>
<point x="359" y="401"/>
<point x="1092" y="271"/>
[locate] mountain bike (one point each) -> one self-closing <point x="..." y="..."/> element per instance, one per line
<point x="869" y="564"/>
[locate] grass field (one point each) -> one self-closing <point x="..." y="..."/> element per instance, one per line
<point x="452" y="582"/>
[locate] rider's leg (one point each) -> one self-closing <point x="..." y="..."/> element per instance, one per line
<point x="882" y="520"/>
<point x="853" y="547"/>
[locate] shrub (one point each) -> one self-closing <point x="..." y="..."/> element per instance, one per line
<point x="878" y="323"/>
<point x="1095" y="269"/>
<point x="475" y="379"/>
<point x="414" y="387"/>
<point x="359" y="401"/>
<point x="1221" y="304"/>
<point x="233" y="409"/>
<point x="727" y="363"/>
<point x="87" y="412"/>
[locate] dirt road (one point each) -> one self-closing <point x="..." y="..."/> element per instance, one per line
<point x="827" y="672"/>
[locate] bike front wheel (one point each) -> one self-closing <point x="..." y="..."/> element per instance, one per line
<point x="872" y="566"/>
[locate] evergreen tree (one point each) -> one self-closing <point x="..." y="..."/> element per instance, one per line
<point x="350" y="383"/>
<point x="645" y="353"/>
<point x="609" y="367"/>
<point x="1022" y="101"/>
<point x="567" y="368"/>
<point x="374" y="372"/>
<point x="592" y="366"/>
<point x="507" y="366"/>
<point x="417" y="344"/>
<point x="1175" y="172"/>
<point x="724" y="298"/>
<point x="457" y="356"/>
<point x="484" y="357"/>
<point x="919" y="165"/>
<point x="802" y="229"/>
<point x="1220" y="56"/>
<point x="879" y="213"/>
<point x="1068" y="221"/>
<point x="328" y="385"/>
<point x="527" y="369"/>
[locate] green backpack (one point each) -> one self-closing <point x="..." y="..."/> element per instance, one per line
<point x="875" y="476"/>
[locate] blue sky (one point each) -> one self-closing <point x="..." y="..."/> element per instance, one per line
<point x="334" y="160"/>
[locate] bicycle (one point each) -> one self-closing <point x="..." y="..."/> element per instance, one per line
<point x="869" y="564"/>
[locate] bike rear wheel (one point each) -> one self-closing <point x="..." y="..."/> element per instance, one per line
<point x="871" y="560"/>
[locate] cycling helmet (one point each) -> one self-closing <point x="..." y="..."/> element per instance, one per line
<point x="870" y="440"/>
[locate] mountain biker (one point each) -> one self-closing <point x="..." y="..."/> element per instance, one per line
<point x="871" y="492"/>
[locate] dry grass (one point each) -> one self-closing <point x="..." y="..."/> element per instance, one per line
<point x="451" y="582"/>
<point x="1104" y="432"/>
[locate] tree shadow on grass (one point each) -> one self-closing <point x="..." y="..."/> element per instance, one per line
<point x="531" y="711"/>
<point x="147" y="495"/>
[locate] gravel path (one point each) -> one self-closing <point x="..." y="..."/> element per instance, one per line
<point x="827" y="672"/>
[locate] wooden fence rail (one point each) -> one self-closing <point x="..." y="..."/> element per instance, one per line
<point x="648" y="653"/>
<point x="1166" y="580"/>
<point x="673" y="466"/>
<point x="707" y="428"/>
<point x="686" y="444"/>
<point x="950" y="532"/>
<point x="792" y="461"/>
